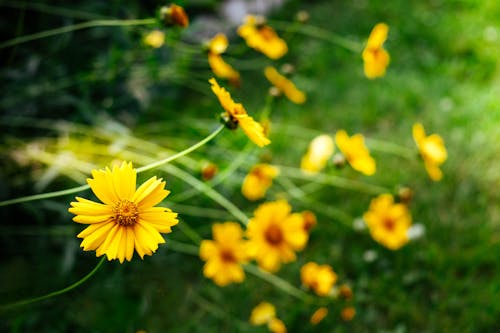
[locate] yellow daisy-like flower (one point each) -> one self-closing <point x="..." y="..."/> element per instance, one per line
<point x="388" y="222"/>
<point x="265" y="313"/>
<point x="284" y="85"/>
<point x="375" y="57"/>
<point x="262" y="37"/>
<point x="155" y="38"/>
<point x="127" y="219"/>
<point x="238" y="116"/>
<point x="319" y="278"/>
<point x="355" y="152"/>
<point x="225" y="254"/>
<point x="174" y="15"/>
<point x="431" y="149"/>
<point x="216" y="47"/>
<point x="319" y="152"/>
<point x="258" y="180"/>
<point x="275" y="234"/>
<point x="319" y="315"/>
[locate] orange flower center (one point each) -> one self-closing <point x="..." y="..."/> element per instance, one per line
<point x="227" y="256"/>
<point x="267" y="33"/>
<point x="389" y="224"/>
<point x="126" y="213"/>
<point x="274" y="235"/>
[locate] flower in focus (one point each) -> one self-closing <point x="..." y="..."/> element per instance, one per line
<point x="216" y="47"/>
<point x="355" y="152"/>
<point x="225" y="254"/>
<point x="319" y="315"/>
<point x="238" y="116"/>
<point x="348" y="313"/>
<point x="319" y="152"/>
<point x="375" y="57"/>
<point x="127" y="219"/>
<point x="262" y="37"/>
<point x="388" y="222"/>
<point x="319" y="278"/>
<point x="265" y="313"/>
<point x="155" y="38"/>
<point x="275" y="234"/>
<point x="258" y="180"/>
<point x="431" y="149"/>
<point x="284" y="85"/>
<point x="174" y="15"/>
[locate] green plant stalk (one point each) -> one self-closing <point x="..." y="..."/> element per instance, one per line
<point x="54" y="293"/>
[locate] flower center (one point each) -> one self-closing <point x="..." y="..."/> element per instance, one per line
<point x="273" y="235"/>
<point x="126" y="213"/>
<point x="227" y="256"/>
<point x="389" y="224"/>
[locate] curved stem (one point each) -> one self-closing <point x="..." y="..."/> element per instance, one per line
<point x="55" y="293"/>
<point x="42" y="196"/>
<point x="74" y="27"/>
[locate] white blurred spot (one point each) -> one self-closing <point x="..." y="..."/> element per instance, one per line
<point x="359" y="224"/>
<point x="370" y="256"/>
<point x="490" y="33"/>
<point x="416" y="231"/>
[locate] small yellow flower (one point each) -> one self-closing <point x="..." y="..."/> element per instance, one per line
<point x="275" y="234"/>
<point x="375" y="57"/>
<point x="355" y="152"/>
<point x="218" y="44"/>
<point x="155" y="38"/>
<point x="258" y="180"/>
<point x="348" y="313"/>
<point x="319" y="278"/>
<point x="262" y="37"/>
<point x="174" y="15"/>
<point x="319" y="152"/>
<point x="238" y="115"/>
<point x="432" y="150"/>
<point x="225" y="254"/>
<point x="286" y="86"/>
<point x="276" y="325"/>
<point x="127" y="218"/>
<point x="388" y="222"/>
<point x="319" y="315"/>
<point x="221" y="69"/>
<point x="262" y="314"/>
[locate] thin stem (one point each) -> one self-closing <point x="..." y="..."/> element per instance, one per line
<point x="42" y="196"/>
<point x="74" y="27"/>
<point x="55" y="293"/>
<point x="52" y="10"/>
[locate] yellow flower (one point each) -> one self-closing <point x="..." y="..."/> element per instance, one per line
<point x="155" y="38"/>
<point x="319" y="315"/>
<point x="258" y="180"/>
<point x="375" y="57"/>
<point x="348" y="313"/>
<point x="309" y="220"/>
<point x="319" y="152"/>
<point x="238" y="115"/>
<point x="355" y="152"/>
<point x="262" y="37"/>
<point x="225" y="254"/>
<point x="276" y="326"/>
<point x="127" y="218"/>
<point x="218" y="44"/>
<point x="174" y="15"/>
<point x="265" y="313"/>
<point x="432" y="150"/>
<point x="388" y="222"/>
<point x="319" y="278"/>
<point x="284" y="85"/>
<point x="275" y="234"/>
<point x="216" y="47"/>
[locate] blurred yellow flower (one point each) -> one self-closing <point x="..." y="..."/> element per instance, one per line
<point x="218" y="44"/>
<point x="348" y="313"/>
<point x="258" y="180"/>
<point x="221" y="69"/>
<point x="127" y="219"/>
<point x="432" y="150"/>
<point x="319" y="278"/>
<point x="388" y="222"/>
<point x="174" y="15"/>
<point x="355" y="152"/>
<point x="275" y="234"/>
<point x="284" y="85"/>
<point x="309" y="220"/>
<point x="319" y="315"/>
<point x="262" y="37"/>
<point x="375" y="57"/>
<point x="155" y="38"/>
<point x="276" y="326"/>
<point x="238" y="116"/>
<point x="319" y="152"/>
<point x="265" y="313"/>
<point x="225" y="254"/>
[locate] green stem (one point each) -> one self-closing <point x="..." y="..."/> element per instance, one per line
<point x="42" y="196"/>
<point x="74" y="27"/>
<point x="55" y="293"/>
<point x="183" y="248"/>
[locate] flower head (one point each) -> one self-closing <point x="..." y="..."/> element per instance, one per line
<point x="127" y="219"/>
<point x="258" y="180"/>
<point x="174" y="15"/>
<point x="275" y="234"/>
<point x="238" y="115"/>
<point x="375" y="57"/>
<point x="284" y="85"/>
<point x="348" y="313"/>
<point x="262" y="37"/>
<point x="155" y="38"/>
<point x="217" y="46"/>
<point x="431" y="149"/>
<point x="265" y="313"/>
<point x="225" y="254"/>
<point x="319" y="152"/>
<point x="309" y="220"/>
<point x="355" y="152"/>
<point x="319" y="315"/>
<point x="388" y="222"/>
<point x="319" y="278"/>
